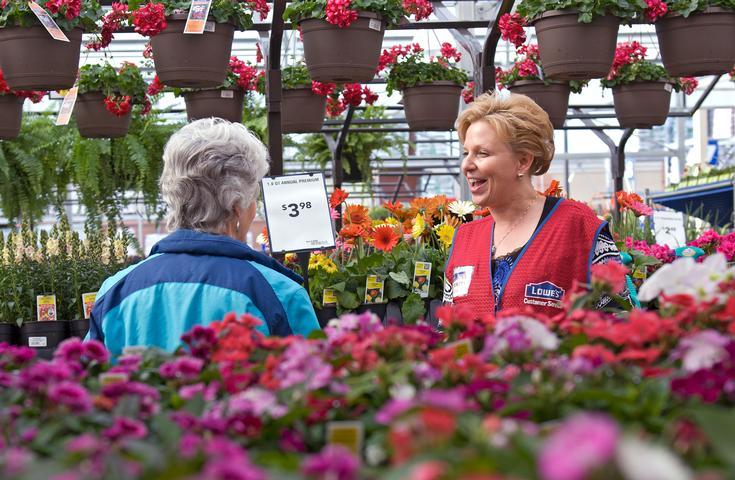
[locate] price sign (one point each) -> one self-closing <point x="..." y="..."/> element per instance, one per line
<point x="297" y="212"/>
<point x="669" y="228"/>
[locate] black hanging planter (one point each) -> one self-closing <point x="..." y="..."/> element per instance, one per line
<point x="9" y="333"/>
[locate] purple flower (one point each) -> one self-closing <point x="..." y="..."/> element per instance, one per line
<point x="125" y="428"/>
<point x="208" y="392"/>
<point x="185" y="420"/>
<point x="28" y="435"/>
<point x="582" y="443"/>
<point x="392" y="409"/>
<point x="37" y="377"/>
<point x="127" y="364"/>
<point x="184" y="368"/>
<point x="15" y="356"/>
<point x="147" y="396"/>
<point x="95" y="351"/>
<point x="303" y="364"/>
<point x="71" y="395"/>
<point x="229" y="469"/>
<point x="453" y="400"/>
<point x="292" y="441"/>
<point x="701" y="350"/>
<point x="334" y="462"/>
<point x="86" y="443"/>
<point x="70" y="350"/>
<point x="15" y="460"/>
<point x="201" y="341"/>
<point x="189" y="445"/>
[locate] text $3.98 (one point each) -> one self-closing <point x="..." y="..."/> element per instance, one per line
<point x="295" y="208"/>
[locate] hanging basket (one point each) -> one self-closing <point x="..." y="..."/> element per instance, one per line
<point x="32" y="60"/>
<point x="11" y="116"/>
<point x="432" y="106"/>
<point x="192" y="61"/>
<point x="701" y="44"/>
<point x="93" y="119"/>
<point x="571" y="50"/>
<point x="302" y="110"/>
<point x="343" y="55"/>
<point x="552" y="98"/>
<point x="642" y="104"/>
<point x="225" y="104"/>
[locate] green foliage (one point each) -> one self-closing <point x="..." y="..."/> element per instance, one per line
<point x="296" y="76"/>
<point x="413" y="70"/>
<point x="360" y="148"/>
<point x="626" y="10"/>
<point x="687" y="7"/>
<point x="18" y="13"/>
<point x="391" y="10"/>
<point x="56" y="263"/>
<point x="221" y="11"/>
<point x="106" y="79"/>
<point x="643" y="71"/>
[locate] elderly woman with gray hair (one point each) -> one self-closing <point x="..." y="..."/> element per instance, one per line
<point x="203" y="269"/>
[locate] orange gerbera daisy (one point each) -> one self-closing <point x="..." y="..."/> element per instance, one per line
<point x="338" y="196"/>
<point x="353" y="231"/>
<point x="357" y="215"/>
<point x="396" y="209"/>
<point x="385" y="238"/>
<point x="625" y="199"/>
<point x="481" y="212"/>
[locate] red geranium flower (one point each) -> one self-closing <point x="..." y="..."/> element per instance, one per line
<point x="150" y="19"/>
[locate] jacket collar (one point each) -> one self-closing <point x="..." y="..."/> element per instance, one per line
<point x="201" y="243"/>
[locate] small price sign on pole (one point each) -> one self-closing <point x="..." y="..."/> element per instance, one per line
<point x="297" y="212"/>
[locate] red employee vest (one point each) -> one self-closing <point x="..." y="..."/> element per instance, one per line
<point x="559" y="252"/>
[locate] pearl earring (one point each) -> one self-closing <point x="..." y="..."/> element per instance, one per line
<point x="520" y="175"/>
<point x="237" y="227"/>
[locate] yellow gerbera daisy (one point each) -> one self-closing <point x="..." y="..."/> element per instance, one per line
<point x="419" y="225"/>
<point x="445" y="233"/>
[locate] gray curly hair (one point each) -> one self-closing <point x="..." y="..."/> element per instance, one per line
<point x="211" y="166"/>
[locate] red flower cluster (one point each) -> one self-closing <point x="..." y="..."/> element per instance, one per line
<point x="655" y="10"/>
<point x="511" y="28"/>
<point x="338" y="197"/>
<point x="258" y="53"/>
<point x="625" y="54"/>
<point x="259" y="6"/>
<point x="69" y="8"/>
<point x="248" y="75"/>
<point x="468" y="94"/>
<point x="611" y="274"/>
<point x="528" y="68"/>
<point x="391" y="56"/>
<point x="688" y="84"/>
<point x="148" y="50"/>
<point x="449" y="52"/>
<point x="155" y="87"/>
<point x="111" y="23"/>
<point x="335" y="107"/>
<point x="150" y="19"/>
<point x="353" y="94"/>
<point x="421" y="9"/>
<point x="34" y="96"/>
<point x="339" y="13"/>
<point x="323" y="89"/>
<point x="119" y="105"/>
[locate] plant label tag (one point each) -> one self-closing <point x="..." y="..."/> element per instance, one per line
<point x="227" y="94"/>
<point x="197" y="19"/>
<point x="134" y="350"/>
<point x="48" y="23"/>
<point x="667" y="87"/>
<point x="349" y="434"/>
<point x="374" y="289"/>
<point x="108" y="378"/>
<point x="297" y="212"/>
<point x="461" y="347"/>
<point x="375" y="24"/>
<point x="67" y="106"/>
<point x="640" y="273"/>
<point x="422" y="278"/>
<point x="37" y="342"/>
<point x="329" y="298"/>
<point x="209" y="26"/>
<point x="88" y="300"/>
<point x="46" y="308"/>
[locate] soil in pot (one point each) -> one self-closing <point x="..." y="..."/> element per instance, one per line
<point x="553" y="98"/>
<point x="642" y="105"/>
<point x="95" y="121"/>
<point x="192" y="61"/>
<point x="325" y="314"/>
<point x="302" y="110"/>
<point x="343" y="55"/>
<point x="9" y="333"/>
<point x="79" y="328"/>
<point x="432" y="106"/>
<point x="11" y="116"/>
<point x="32" y="60"/>
<point x="43" y="335"/>
<point x="701" y="44"/>
<point x="571" y="50"/>
<point x="226" y="104"/>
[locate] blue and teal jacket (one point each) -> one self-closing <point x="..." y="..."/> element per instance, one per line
<point x="194" y="278"/>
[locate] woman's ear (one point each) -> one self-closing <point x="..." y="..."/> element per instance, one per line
<point x="525" y="162"/>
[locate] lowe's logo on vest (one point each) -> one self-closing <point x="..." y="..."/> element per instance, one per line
<point x="545" y="294"/>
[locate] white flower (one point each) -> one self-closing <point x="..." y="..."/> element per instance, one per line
<point x="702" y="350"/>
<point x="537" y="333"/>
<point x="687" y="277"/>
<point x="403" y="391"/>
<point x="375" y="454"/>
<point x="639" y="460"/>
<point x="462" y="207"/>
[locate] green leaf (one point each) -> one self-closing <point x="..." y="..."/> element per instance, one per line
<point x="718" y="424"/>
<point x="348" y="300"/>
<point x="413" y="308"/>
<point x="400" y="277"/>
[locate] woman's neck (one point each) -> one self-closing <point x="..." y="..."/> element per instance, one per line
<point x="515" y="206"/>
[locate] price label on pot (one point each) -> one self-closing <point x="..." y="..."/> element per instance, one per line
<point x="46" y="307"/>
<point x="197" y="19"/>
<point x="227" y="94"/>
<point x="348" y="434"/>
<point x="37" y="342"/>
<point x="297" y="212"/>
<point x="67" y="106"/>
<point x="375" y="24"/>
<point x="48" y="22"/>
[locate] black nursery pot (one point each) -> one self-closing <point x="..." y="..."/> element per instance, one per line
<point x="79" y="328"/>
<point x="325" y="315"/>
<point x="9" y="333"/>
<point x="44" y="336"/>
<point x="378" y="309"/>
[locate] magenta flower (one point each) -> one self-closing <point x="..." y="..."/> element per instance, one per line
<point x="14" y="355"/>
<point x="229" y="469"/>
<point x="127" y="364"/>
<point x="201" y="341"/>
<point x="393" y="408"/>
<point x="189" y="445"/>
<point x="37" y="377"/>
<point x="183" y="368"/>
<point x="71" y="395"/>
<point x="334" y="462"/>
<point x="582" y="443"/>
<point x="15" y="461"/>
<point x="86" y="444"/>
<point x="70" y="350"/>
<point x="147" y="396"/>
<point x="95" y="351"/>
<point x="125" y="428"/>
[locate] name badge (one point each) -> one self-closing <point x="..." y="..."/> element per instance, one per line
<point x="461" y="279"/>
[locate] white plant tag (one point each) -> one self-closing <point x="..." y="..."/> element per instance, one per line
<point x="375" y="24"/>
<point x="227" y="94"/>
<point x="37" y="342"/>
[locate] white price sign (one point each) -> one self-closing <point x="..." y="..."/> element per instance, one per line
<point x="669" y="228"/>
<point x="297" y="212"/>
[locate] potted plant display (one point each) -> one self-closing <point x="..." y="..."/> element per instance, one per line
<point x="303" y="101"/>
<point x="431" y="89"/>
<point x="11" y="108"/>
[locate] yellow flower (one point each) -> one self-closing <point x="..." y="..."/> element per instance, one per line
<point x="419" y="225"/>
<point x="291" y="258"/>
<point x="445" y="233"/>
<point x="392" y="221"/>
<point x="315" y="260"/>
<point x="328" y="265"/>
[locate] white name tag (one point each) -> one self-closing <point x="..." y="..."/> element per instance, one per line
<point x="461" y="279"/>
<point x="37" y="342"/>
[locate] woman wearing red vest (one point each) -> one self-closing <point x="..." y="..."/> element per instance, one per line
<point x="530" y="249"/>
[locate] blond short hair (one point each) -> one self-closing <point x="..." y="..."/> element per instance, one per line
<point x="519" y="121"/>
